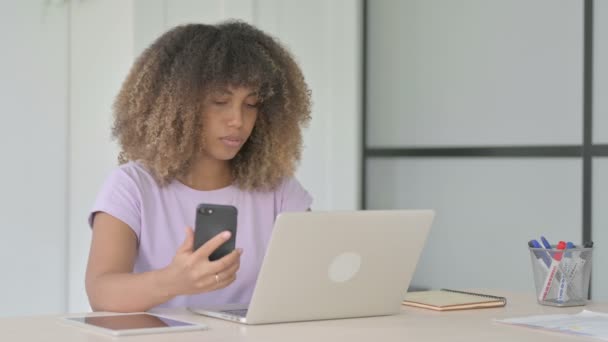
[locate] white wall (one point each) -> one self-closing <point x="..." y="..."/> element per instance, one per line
<point x="487" y="210"/>
<point x="599" y="285"/>
<point x="475" y="72"/>
<point x="478" y="73"/>
<point x="329" y="53"/>
<point x="600" y="72"/>
<point x="33" y="146"/>
<point x="101" y="53"/>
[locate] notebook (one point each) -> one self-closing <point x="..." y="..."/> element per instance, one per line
<point x="445" y="300"/>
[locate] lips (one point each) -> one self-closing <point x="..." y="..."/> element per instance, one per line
<point x="232" y="141"/>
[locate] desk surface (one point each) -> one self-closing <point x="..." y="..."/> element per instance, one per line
<point x="412" y="324"/>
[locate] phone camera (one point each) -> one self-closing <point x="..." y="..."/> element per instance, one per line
<point x="206" y="211"/>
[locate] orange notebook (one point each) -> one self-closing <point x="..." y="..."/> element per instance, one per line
<point x="445" y="300"/>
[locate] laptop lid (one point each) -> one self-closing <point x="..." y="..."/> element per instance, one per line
<point x="327" y="265"/>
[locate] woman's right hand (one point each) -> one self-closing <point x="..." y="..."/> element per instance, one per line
<point x="191" y="272"/>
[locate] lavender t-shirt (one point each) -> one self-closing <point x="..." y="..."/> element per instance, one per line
<point x="158" y="216"/>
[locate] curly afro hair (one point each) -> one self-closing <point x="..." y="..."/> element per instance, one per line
<point x="157" y="113"/>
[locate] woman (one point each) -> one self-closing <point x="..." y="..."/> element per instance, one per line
<point x="207" y="114"/>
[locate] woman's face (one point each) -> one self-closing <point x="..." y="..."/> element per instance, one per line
<point x="229" y="115"/>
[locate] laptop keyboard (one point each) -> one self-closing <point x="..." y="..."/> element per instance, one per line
<point x="239" y="312"/>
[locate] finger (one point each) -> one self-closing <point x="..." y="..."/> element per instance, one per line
<point x="210" y="282"/>
<point x="205" y="250"/>
<point x="232" y="269"/>
<point x="216" y="281"/>
<point x="188" y="243"/>
<point x="224" y="263"/>
<point x="207" y="284"/>
<point x="235" y="267"/>
<point x="224" y="280"/>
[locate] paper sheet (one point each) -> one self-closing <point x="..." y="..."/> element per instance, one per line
<point x="586" y="323"/>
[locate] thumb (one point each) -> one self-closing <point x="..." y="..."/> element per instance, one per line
<point x="188" y="243"/>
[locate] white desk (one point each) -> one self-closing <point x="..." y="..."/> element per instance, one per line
<point x="412" y="324"/>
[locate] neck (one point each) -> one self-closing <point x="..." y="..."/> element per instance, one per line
<point x="208" y="174"/>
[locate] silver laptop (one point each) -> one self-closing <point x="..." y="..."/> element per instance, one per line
<point x="327" y="265"/>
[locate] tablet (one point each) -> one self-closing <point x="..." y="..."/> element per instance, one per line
<point x="133" y="324"/>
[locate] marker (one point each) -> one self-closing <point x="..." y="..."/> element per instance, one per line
<point x="565" y="269"/>
<point x="575" y="263"/>
<point x="569" y="256"/>
<point x="545" y="242"/>
<point x="569" y="264"/>
<point x="546" y="259"/>
<point x="557" y="257"/>
<point x="547" y="246"/>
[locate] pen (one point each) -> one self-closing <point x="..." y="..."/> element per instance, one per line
<point x="557" y="257"/>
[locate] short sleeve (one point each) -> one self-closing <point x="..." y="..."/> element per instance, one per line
<point x="120" y="197"/>
<point x="292" y="197"/>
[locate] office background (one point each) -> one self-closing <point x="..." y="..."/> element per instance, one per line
<point x="406" y="94"/>
<point x="494" y="113"/>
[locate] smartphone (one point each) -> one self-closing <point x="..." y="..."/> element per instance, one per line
<point x="212" y="219"/>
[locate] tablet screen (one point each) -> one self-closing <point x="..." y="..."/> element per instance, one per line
<point x="130" y="321"/>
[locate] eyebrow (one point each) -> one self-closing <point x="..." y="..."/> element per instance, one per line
<point x="227" y="91"/>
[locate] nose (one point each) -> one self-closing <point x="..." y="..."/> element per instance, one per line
<point x="236" y="117"/>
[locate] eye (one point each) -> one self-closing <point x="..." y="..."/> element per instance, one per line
<point x="220" y="102"/>
<point x="253" y="105"/>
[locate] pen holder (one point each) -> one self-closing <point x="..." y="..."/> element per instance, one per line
<point x="561" y="277"/>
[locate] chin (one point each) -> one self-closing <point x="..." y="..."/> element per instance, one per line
<point x="225" y="156"/>
<point x="222" y="153"/>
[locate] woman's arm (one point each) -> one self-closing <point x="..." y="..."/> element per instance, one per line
<point x="110" y="283"/>
<point x="112" y="286"/>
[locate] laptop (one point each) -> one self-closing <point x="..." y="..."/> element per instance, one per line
<point x="329" y="265"/>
